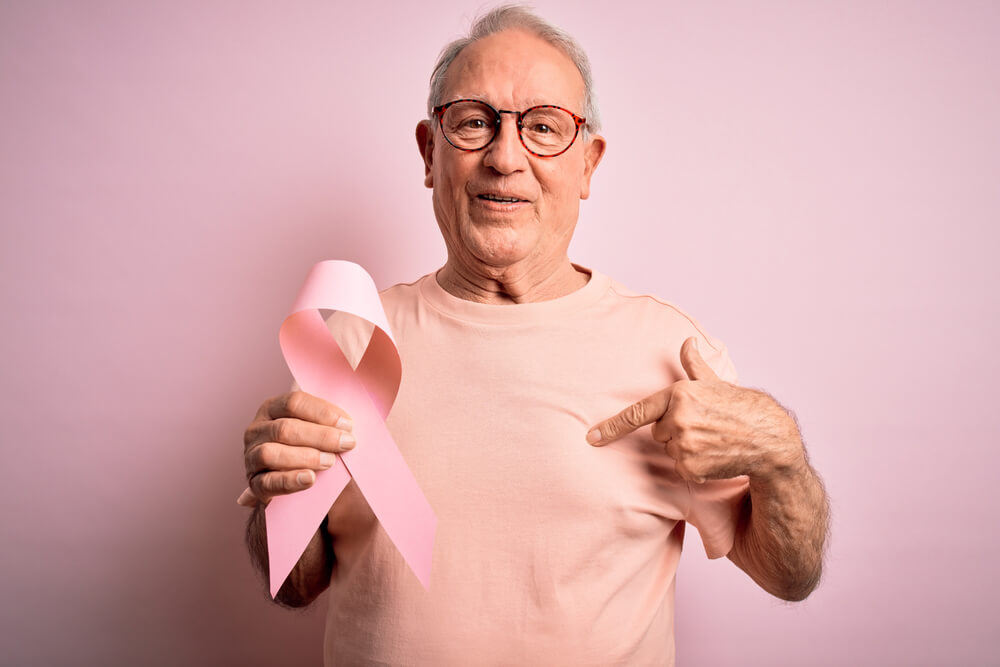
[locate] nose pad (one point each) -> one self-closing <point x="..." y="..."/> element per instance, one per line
<point x="506" y="150"/>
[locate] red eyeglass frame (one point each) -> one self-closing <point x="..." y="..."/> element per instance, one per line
<point x="439" y="113"/>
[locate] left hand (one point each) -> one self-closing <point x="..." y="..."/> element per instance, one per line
<point x="711" y="428"/>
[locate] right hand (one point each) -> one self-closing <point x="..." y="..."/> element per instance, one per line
<point x="292" y="436"/>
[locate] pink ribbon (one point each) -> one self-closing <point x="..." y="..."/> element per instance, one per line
<point x="366" y="394"/>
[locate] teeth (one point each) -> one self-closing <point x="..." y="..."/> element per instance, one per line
<point x="506" y="200"/>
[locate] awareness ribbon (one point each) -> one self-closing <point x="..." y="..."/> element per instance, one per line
<point x="366" y="394"/>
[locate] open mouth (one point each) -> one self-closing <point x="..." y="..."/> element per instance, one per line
<point x="500" y="199"/>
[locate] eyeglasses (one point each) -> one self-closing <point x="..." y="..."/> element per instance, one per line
<point x="545" y="130"/>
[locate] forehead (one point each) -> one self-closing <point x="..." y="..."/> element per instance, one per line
<point x="515" y="69"/>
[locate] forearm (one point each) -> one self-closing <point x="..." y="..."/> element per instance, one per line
<point x="782" y="532"/>
<point x="309" y="577"/>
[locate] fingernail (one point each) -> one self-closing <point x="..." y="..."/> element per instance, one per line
<point x="326" y="459"/>
<point x="347" y="441"/>
<point x="344" y="424"/>
<point x="594" y="436"/>
<point x="695" y="343"/>
<point x="304" y="478"/>
<point x="245" y="498"/>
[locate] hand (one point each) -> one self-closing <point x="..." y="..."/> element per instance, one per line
<point x="711" y="428"/>
<point x="292" y="436"/>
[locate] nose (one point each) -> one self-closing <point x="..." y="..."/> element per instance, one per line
<point x="505" y="153"/>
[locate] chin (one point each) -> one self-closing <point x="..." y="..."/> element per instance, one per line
<point x="499" y="247"/>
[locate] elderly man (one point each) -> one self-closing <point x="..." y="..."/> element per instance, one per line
<point x="527" y="380"/>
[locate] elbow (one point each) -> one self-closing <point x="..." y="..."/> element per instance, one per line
<point x="301" y="590"/>
<point x="795" y="588"/>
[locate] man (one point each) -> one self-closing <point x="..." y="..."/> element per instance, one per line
<point x="526" y="381"/>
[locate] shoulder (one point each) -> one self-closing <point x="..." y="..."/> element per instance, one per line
<point x="402" y="292"/>
<point x="652" y="317"/>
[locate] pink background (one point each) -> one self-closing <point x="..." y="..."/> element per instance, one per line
<point x="817" y="182"/>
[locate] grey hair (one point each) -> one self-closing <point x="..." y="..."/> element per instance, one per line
<point x="506" y="17"/>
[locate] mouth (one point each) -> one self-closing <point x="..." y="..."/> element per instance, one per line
<point x="500" y="198"/>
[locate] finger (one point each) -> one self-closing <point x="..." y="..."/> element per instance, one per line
<point x="299" y="433"/>
<point x="643" y="412"/>
<point x="693" y="364"/>
<point x="300" y="405"/>
<point x="275" y="456"/>
<point x="247" y="498"/>
<point x="267" y="485"/>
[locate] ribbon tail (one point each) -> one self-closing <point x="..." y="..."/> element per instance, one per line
<point x="392" y="492"/>
<point x="292" y="521"/>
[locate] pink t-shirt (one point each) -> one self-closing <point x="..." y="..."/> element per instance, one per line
<point x="548" y="551"/>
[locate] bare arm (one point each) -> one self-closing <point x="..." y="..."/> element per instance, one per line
<point x="309" y="577"/>
<point x="717" y="430"/>
<point x="781" y="535"/>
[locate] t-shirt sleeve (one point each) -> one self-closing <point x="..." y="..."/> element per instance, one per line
<point x="716" y="505"/>
<point x="716" y="355"/>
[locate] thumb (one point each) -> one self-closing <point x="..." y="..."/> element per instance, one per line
<point x="695" y="367"/>
<point x="646" y="411"/>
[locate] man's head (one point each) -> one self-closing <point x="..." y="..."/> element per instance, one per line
<point x="512" y="61"/>
<point x="507" y="17"/>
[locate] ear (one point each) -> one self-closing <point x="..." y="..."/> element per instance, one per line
<point x="425" y="142"/>
<point x="593" y="151"/>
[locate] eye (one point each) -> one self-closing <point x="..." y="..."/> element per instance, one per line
<point x="541" y="128"/>
<point x="475" y="123"/>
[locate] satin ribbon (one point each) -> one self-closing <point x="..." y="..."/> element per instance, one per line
<point x="366" y="395"/>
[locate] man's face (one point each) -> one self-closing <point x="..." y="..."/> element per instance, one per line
<point x="510" y="70"/>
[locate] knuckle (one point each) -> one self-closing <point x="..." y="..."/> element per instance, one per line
<point x="259" y="486"/>
<point x="250" y="435"/>
<point x="295" y="402"/>
<point x="610" y="429"/>
<point x="283" y="430"/>
<point x="269" y="456"/>
<point x="635" y="414"/>
<point x="680" y="392"/>
<point x="286" y="483"/>
<point x="327" y="414"/>
<point x="661" y="431"/>
<point x="273" y="483"/>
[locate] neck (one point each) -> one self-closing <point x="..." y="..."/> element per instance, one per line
<point x="510" y="285"/>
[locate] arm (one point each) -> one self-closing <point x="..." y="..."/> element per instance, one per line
<point x="782" y="529"/>
<point x="717" y="430"/>
<point x="311" y="575"/>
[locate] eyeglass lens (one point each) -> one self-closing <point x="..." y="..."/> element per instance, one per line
<point x="544" y="130"/>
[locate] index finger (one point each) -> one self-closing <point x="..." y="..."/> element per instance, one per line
<point x="300" y="405"/>
<point x="635" y="416"/>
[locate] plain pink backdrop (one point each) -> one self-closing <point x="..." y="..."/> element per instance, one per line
<point x="817" y="182"/>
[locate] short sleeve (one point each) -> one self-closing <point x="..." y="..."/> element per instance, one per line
<point x="716" y="355"/>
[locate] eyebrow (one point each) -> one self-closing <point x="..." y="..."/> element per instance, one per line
<point x="532" y="102"/>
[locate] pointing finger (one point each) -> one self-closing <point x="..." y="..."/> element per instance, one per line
<point x="643" y="412"/>
<point x="695" y="367"/>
